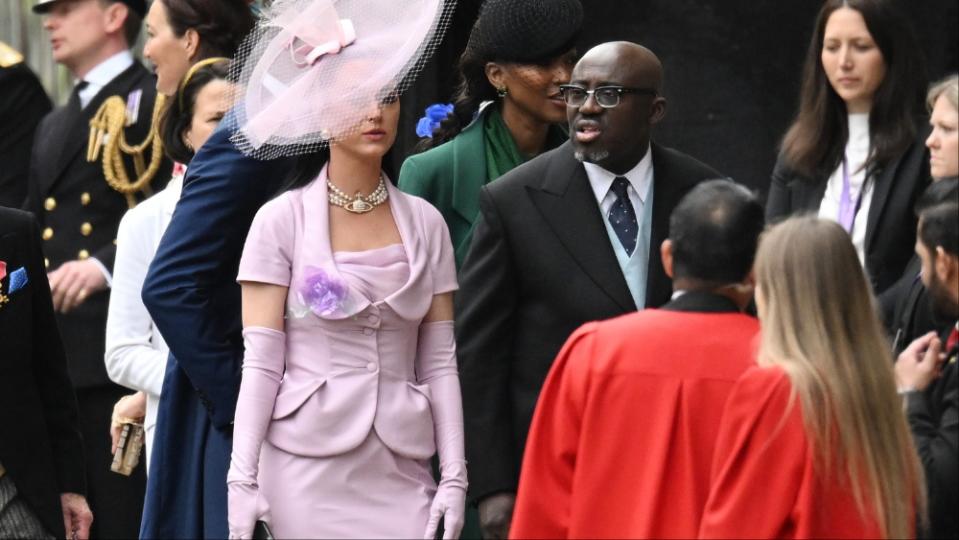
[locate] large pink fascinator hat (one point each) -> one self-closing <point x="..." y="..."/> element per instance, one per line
<point x="311" y="69"/>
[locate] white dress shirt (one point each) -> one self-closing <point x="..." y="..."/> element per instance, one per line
<point x="857" y="152"/>
<point x="100" y="76"/>
<point x="634" y="266"/>
<point x="136" y="353"/>
<point x="640" y="178"/>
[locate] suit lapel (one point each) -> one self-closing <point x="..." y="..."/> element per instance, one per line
<point x="880" y="196"/>
<point x="809" y="194"/>
<point x="670" y="184"/>
<point x="469" y="169"/>
<point x="569" y="206"/>
<point x="75" y="135"/>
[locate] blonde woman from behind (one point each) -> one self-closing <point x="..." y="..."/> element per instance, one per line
<point x="813" y="442"/>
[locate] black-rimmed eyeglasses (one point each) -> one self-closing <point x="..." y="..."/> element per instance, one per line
<point x="606" y="96"/>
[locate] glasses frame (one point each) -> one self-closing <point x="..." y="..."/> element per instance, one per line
<point x="620" y="90"/>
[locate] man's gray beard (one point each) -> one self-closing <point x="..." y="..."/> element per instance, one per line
<point x="591" y="157"/>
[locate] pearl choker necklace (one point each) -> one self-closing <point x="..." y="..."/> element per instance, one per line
<point x="358" y="204"/>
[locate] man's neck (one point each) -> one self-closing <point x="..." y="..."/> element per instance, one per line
<point x="620" y="169"/>
<point x="740" y="294"/>
<point x="104" y="53"/>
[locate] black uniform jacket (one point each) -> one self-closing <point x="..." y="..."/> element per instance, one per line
<point x="79" y="213"/>
<point x="540" y="265"/>
<point x="40" y="444"/>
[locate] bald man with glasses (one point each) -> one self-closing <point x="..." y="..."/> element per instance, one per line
<point x="571" y="236"/>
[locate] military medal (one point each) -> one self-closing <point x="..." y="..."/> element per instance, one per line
<point x="133" y="106"/>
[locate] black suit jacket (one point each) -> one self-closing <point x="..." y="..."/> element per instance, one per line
<point x="23" y="102"/>
<point x="891" y="224"/>
<point x="67" y="193"/>
<point x="907" y="309"/>
<point x="934" y="421"/>
<point x="40" y="444"/>
<point x="540" y="265"/>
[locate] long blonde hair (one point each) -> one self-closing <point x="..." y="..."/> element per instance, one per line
<point x="819" y="324"/>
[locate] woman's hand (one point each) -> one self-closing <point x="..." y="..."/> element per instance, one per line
<point x="242" y="511"/>
<point x="449" y="503"/>
<point x="129" y="410"/>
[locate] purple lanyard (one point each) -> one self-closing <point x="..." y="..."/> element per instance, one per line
<point x="847" y="207"/>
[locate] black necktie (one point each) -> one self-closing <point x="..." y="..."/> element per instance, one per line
<point x="622" y="216"/>
<point x="74" y="101"/>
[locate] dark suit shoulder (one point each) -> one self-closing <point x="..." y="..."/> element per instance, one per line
<point x="13" y="220"/>
<point x="684" y="162"/>
<point x="531" y="173"/>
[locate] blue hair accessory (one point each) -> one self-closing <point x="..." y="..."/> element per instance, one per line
<point x="435" y="114"/>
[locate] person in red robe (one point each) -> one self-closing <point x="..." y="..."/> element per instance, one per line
<point x="813" y="442"/>
<point x="622" y="438"/>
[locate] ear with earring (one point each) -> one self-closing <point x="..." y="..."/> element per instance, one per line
<point x="502" y="92"/>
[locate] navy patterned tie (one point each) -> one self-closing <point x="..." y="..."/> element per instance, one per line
<point x="622" y="216"/>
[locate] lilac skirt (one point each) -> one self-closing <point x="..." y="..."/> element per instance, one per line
<point x="368" y="492"/>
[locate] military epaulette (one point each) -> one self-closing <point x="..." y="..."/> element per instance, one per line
<point x="9" y="56"/>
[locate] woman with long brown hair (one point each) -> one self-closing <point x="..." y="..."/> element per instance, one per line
<point x="814" y="442"/>
<point x="855" y="152"/>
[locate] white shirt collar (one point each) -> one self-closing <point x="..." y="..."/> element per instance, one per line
<point x="639" y="178"/>
<point x="103" y="73"/>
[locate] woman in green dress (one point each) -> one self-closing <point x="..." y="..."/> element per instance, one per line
<point x="507" y="109"/>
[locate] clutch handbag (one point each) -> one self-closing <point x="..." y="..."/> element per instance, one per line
<point x="129" y="448"/>
<point x="261" y="531"/>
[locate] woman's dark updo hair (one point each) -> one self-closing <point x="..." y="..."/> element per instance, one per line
<point x="815" y="143"/>
<point x="177" y="119"/>
<point x="221" y="24"/>
<point x="531" y="32"/>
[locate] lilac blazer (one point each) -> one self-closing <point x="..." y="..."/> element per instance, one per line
<point x="350" y="364"/>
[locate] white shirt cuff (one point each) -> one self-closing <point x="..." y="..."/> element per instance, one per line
<point x="106" y="273"/>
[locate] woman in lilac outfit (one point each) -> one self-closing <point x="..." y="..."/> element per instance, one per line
<point x="349" y="378"/>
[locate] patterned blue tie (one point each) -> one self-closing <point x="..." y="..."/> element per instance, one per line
<point x="622" y="216"/>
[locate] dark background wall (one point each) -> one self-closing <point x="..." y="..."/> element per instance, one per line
<point x="732" y="68"/>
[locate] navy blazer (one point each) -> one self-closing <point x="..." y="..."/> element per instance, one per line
<point x="194" y="300"/>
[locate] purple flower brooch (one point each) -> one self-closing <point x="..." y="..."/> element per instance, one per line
<point x="320" y="293"/>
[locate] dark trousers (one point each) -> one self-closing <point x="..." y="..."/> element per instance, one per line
<point x="116" y="500"/>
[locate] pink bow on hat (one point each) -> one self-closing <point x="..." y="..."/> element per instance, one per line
<point x="313" y="68"/>
<point x="315" y="46"/>
<point x="319" y="29"/>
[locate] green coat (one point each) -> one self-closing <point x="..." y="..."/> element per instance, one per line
<point x="450" y="177"/>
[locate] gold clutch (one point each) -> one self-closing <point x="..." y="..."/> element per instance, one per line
<point x="129" y="448"/>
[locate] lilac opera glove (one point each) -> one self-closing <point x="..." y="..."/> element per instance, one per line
<point x="436" y="367"/>
<point x="262" y="371"/>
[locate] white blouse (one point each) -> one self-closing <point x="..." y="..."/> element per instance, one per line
<point x="857" y="152"/>
<point x="136" y="354"/>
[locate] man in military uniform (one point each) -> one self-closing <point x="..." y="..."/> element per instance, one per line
<point x="79" y="193"/>
<point x="23" y="103"/>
